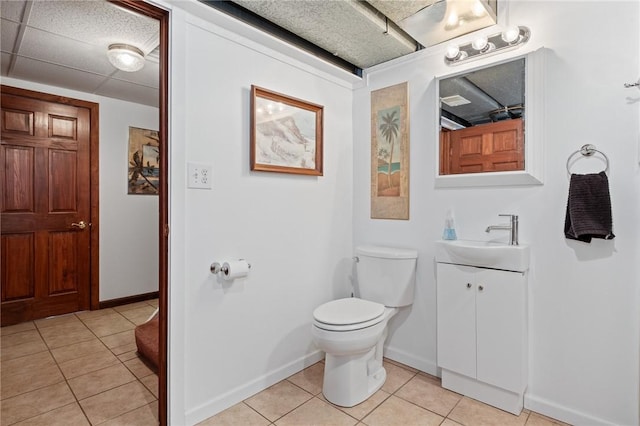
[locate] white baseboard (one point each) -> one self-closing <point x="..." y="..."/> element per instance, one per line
<point x="567" y="415"/>
<point x="242" y="392"/>
<point x="411" y="360"/>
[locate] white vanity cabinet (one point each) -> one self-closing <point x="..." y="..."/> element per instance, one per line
<point x="482" y="333"/>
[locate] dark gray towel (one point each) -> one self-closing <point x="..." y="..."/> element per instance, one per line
<point x="588" y="208"/>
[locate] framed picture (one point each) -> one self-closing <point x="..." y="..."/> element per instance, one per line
<point x="144" y="161"/>
<point x="390" y="152"/>
<point x="286" y="134"/>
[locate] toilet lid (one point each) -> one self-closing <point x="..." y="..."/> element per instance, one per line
<point x="348" y="311"/>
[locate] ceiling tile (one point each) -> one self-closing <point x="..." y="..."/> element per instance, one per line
<point x="55" y="75"/>
<point x="148" y="76"/>
<point x="12" y="10"/>
<point x="59" y="50"/>
<point x="96" y="22"/>
<point x="5" y="61"/>
<point x="349" y="29"/>
<point x="129" y="92"/>
<point x="9" y="33"/>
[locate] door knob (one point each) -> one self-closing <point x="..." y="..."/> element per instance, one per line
<point x="480" y="287"/>
<point x="79" y="225"/>
<point x="468" y="285"/>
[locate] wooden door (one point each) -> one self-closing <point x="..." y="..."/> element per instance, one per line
<point x="495" y="147"/>
<point x="45" y="206"/>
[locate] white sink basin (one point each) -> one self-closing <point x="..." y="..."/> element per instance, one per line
<point x="485" y="254"/>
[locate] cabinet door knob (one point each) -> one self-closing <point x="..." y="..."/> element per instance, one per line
<point x="468" y="285"/>
<point x="480" y="287"/>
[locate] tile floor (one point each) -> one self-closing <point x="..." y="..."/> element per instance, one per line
<point x="83" y="369"/>
<point x="408" y="397"/>
<point x="78" y="369"/>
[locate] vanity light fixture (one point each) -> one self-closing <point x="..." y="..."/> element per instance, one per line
<point x="126" y="57"/>
<point x="510" y="38"/>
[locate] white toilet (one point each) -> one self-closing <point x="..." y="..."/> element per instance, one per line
<point x="352" y="331"/>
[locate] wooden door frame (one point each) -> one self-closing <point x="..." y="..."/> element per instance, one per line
<point x="94" y="176"/>
<point x="162" y="16"/>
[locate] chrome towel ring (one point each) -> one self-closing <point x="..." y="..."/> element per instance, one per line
<point x="588" y="150"/>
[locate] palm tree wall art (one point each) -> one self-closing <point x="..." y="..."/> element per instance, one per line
<point x="390" y="152"/>
<point x="388" y="128"/>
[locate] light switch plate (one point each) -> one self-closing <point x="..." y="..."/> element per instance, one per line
<point x="199" y="176"/>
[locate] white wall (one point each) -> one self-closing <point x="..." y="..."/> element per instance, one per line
<point x="584" y="298"/>
<point x="231" y="340"/>
<point x="128" y="223"/>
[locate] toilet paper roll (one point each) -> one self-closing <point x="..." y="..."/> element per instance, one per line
<point x="235" y="269"/>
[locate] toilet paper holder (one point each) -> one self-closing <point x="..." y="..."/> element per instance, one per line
<point x="216" y="268"/>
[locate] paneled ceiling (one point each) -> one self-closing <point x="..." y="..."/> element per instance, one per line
<point x="64" y="43"/>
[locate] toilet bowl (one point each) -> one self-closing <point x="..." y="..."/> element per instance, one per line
<point x="351" y="332"/>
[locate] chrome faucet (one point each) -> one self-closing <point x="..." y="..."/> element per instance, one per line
<point x="512" y="228"/>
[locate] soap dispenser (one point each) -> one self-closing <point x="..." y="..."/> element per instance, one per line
<point x="449" y="227"/>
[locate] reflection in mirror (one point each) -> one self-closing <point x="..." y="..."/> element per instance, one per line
<point x="488" y="119"/>
<point x="481" y="115"/>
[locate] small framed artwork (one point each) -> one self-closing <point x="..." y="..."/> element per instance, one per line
<point x="144" y="161"/>
<point x="286" y="134"/>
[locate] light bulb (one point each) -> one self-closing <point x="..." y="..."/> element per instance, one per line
<point x="480" y="43"/>
<point x="511" y="34"/>
<point x="452" y="51"/>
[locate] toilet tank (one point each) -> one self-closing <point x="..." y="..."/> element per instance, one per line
<point x="386" y="275"/>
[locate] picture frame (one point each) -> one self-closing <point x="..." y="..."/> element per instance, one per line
<point x="390" y="169"/>
<point x="286" y="134"/>
<point x="143" y="162"/>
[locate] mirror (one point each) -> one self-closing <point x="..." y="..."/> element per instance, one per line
<point x="488" y="119"/>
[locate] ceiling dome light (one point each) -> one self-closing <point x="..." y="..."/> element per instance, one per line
<point x="126" y="57"/>
<point x="511" y="34"/>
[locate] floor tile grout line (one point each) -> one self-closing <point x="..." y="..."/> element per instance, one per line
<point x="84" y="413"/>
<point x="66" y="380"/>
<point x="136" y="378"/>
<point x="258" y="412"/>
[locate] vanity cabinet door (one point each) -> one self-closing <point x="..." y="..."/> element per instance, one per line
<point x="456" y="295"/>
<point x="482" y="329"/>
<point x="501" y="328"/>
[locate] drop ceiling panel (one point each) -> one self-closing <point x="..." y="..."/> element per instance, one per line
<point x="94" y="22"/>
<point x="129" y="92"/>
<point x="148" y="76"/>
<point x="9" y="33"/>
<point x="346" y="28"/>
<point x="55" y="75"/>
<point x="12" y="10"/>
<point x="74" y="54"/>
<point x="64" y="43"/>
<point x="5" y="60"/>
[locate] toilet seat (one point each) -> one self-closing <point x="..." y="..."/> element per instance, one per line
<point x="348" y="314"/>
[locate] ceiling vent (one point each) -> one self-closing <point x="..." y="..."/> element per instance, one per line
<point x="455" y="100"/>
